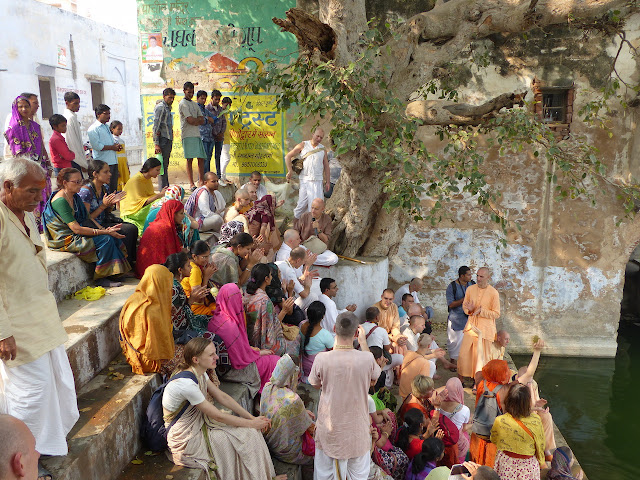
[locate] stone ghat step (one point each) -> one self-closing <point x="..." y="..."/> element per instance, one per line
<point x="103" y="441"/>
<point x="92" y="328"/>
<point x="67" y="274"/>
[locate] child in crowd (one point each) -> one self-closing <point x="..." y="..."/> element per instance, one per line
<point x="61" y="156"/>
<point x="225" y="156"/>
<point x="116" y="128"/>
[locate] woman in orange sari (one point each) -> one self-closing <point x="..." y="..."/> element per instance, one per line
<point x="495" y="375"/>
<point x="146" y="329"/>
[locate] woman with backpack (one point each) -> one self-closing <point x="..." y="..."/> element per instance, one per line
<point x="519" y="437"/>
<point x="205" y="437"/>
<point x="490" y="397"/>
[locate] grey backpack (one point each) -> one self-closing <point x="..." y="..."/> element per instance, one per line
<point x="486" y="412"/>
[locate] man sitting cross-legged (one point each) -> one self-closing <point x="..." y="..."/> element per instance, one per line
<point x="317" y="223"/>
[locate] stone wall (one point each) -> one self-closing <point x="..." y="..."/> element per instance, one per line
<point x="562" y="275"/>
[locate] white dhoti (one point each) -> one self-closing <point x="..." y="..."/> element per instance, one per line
<point x="212" y="223"/>
<point x="42" y="394"/>
<point x="225" y="158"/>
<point x="309" y="191"/>
<point x="327" y="468"/>
<point x="396" y="361"/>
<point x="326" y="259"/>
<point x="454" y="340"/>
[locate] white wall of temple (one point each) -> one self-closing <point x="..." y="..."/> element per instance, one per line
<point x="52" y="51"/>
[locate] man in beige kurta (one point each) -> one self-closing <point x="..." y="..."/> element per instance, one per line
<point x="482" y="304"/>
<point x="36" y="381"/>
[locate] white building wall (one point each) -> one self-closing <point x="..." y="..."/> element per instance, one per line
<point x="33" y="31"/>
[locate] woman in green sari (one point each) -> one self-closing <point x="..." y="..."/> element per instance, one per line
<point x="135" y="206"/>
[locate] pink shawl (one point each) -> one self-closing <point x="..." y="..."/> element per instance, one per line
<point x="455" y="391"/>
<point x="228" y="322"/>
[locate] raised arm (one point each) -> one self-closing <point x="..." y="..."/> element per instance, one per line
<point x="533" y="364"/>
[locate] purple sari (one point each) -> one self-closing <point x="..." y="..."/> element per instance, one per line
<point x="25" y="140"/>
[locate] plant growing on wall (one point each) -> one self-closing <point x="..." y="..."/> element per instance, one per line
<point x="380" y="90"/>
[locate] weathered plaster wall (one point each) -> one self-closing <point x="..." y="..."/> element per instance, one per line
<point x="100" y="53"/>
<point x="562" y="275"/>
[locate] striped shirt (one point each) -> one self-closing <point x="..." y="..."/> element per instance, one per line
<point x="162" y="122"/>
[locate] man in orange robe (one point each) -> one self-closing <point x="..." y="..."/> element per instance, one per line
<point x="482" y="304"/>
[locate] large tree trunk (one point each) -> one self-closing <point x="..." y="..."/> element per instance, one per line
<point x="362" y="226"/>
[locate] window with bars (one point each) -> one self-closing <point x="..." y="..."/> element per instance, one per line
<point x="554" y="105"/>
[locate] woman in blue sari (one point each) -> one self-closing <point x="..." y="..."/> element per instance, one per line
<point x="68" y="228"/>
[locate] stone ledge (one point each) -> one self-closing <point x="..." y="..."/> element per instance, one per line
<point x="67" y="274"/>
<point x="103" y="440"/>
<point x="92" y="328"/>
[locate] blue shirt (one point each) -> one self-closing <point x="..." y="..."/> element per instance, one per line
<point x="456" y="315"/>
<point x="100" y="136"/>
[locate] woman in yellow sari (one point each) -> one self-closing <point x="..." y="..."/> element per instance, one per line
<point x="146" y="328"/>
<point x="135" y="206"/>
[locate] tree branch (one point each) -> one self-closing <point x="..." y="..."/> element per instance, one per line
<point x="438" y="112"/>
<point x="313" y="35"/>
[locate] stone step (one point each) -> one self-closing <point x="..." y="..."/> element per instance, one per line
<point x="67" y="274"/>
<point x="92" y="328"/>
<point x="102" y="442"/>
<point x="158" y="467"/>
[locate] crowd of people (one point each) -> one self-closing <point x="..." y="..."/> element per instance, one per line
<point x="248" y="306"/>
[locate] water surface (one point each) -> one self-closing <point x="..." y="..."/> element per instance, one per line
<point x="595" y="403"/>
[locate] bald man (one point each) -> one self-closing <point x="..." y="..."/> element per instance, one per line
<point x="241" y="205"/>
<point x="315" y="171"/>
<point x="413" y="287"/>
<point x="18" y="454"/>
<point x="319" y="224"/>
<point x="206" y="204"/>
<point x="482" y="305"/>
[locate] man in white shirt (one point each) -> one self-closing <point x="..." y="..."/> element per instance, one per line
<point x="413" y="287"/>
<point x="256" y="179"/>
<point x="407" y="301"/>
<point x="378" y="337"/>
<point x="73" y="136"/>
<point x="291" y="239"/>
<point x="328" y="290"/>
<point x="301" y="283"/>
<point x="206" y="204"/>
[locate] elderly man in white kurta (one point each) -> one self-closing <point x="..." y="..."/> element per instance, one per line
<point x="36" y="381"/>
<point x="291" y="239"/>
<point x="315" y="171"/>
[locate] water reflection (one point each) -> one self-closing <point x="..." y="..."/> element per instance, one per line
<point x="593" y="402"/>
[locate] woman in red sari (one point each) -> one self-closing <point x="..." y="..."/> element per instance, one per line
<point x="160" y="239"/>
<point x="495" y="375"/>
<point x="421" y="397"/>
<point x="228" y="322"/>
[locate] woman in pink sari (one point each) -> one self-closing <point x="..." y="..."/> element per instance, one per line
<point x="228" y="322"/>
<point x="453" y="407"/>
